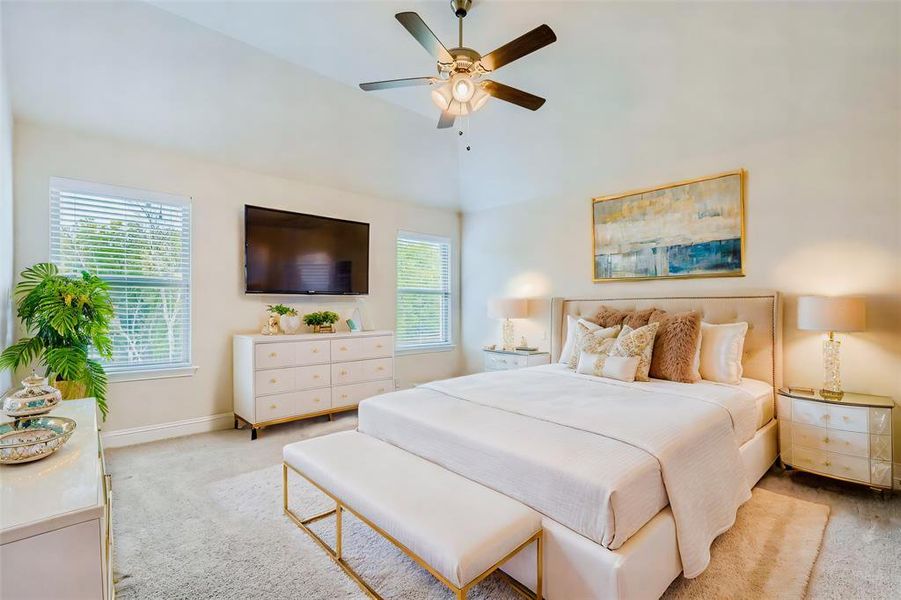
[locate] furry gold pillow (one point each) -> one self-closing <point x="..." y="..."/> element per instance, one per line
<point x="637" y="342"/>
<point x="608" y="317"/>
<point x="675" y="346"/>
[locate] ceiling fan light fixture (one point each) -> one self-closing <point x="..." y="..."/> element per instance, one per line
<point x="462" y="87"/>
<point x="442" y="96"/>
<point x="479" y="98"/>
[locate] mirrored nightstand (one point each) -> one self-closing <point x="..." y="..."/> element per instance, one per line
<point x="848" y="439"/>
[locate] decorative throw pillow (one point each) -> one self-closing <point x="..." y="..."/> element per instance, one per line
<point x="675" y="345"/>
<point x="608" y="317"/>
<point x="569" y="346"/>
<point x="622" y="368"/>
<point x="721" y="350"/>
<point x="637" y="342"/>
<point x="587" y="338"/>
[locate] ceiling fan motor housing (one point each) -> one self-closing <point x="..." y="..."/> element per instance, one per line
<point x="461" y="7"/>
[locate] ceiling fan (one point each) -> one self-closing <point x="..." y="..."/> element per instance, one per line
<point x="459" y="88"/>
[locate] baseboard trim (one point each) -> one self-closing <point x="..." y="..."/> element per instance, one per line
<point x="161" y="431"/>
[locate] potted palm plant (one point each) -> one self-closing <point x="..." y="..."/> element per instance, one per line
<point x="65" y="318"/>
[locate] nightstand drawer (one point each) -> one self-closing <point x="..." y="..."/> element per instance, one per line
<point x="502" y="362"/>
<point x="831" y="463"/>
<point x="843" y="442"/>
<point x="846" y="418"/>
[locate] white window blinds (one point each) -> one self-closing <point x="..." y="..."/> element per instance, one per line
<point x="423" y="292"/>
<point x="140" y="243"/>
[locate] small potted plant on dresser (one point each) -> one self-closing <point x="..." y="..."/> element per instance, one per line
<point x="287" y="317"/>
<point x="322" y="321"/>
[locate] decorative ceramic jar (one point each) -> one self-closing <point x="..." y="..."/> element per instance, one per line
<point x="33" y="438"/>
<point x="38" y="397"/>
<point x="289" y="323"/>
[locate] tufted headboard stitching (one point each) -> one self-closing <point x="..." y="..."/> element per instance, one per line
<point x="762" y="357"/>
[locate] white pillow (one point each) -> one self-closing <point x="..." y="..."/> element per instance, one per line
<point x="622" y="368"/>
<point x="571" y="336"/>
<point x="721" y="350"/>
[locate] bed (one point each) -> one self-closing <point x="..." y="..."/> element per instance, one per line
<point x="616" y="483"/>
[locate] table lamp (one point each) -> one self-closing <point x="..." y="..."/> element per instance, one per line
<point x="819" y="313"/>
<point x="508" y="308"/>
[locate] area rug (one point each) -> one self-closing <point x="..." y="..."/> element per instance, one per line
<point x="768" y="553"/>
<point x="201" y="517"/>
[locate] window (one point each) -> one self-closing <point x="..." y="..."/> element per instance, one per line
<point x="423" y="292"/>
<point x="140" y="243"/>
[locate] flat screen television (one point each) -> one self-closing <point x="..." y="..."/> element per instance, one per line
<point x="293" y="253"/>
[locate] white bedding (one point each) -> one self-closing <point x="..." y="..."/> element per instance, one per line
<point x="585" y="451"/>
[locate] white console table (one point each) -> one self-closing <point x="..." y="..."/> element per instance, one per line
<point x="280" y="378"/>
<point x="55" y="525"/>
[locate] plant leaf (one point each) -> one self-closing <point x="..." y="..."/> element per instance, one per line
<point x="21" y="353"/>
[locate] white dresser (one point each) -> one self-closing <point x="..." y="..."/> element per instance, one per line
<point x="282" y="378"/>
<point x="848" y="439"/>
<point x="503" y="360"/>
<point x="55" y="526"/>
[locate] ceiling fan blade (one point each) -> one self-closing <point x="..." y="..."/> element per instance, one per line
<point x="396" y="83"/>
<point x="511" y="94"/>
<point x="446" y="120"/>
<point x="536" y="39"/>
<point x="419" y="30"/>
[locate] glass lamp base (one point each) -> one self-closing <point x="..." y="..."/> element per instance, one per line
<point x="832" y="385"/>
<point x="509" y="344"/>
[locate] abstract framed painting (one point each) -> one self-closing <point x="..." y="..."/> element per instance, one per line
<point x="693" y="228"/>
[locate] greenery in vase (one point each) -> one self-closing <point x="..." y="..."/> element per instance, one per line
<point x="281" y="309"/>
<point x="66" y="317"/>
<point x="317" y="319"/>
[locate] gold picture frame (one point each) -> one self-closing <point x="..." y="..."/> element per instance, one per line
<point x="702" y="242"/>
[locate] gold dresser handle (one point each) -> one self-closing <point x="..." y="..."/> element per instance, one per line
<point x="315" y="350"/>
<point x="826" y="439"/>
<point x="343" y="348"/>
<point x="316" y="376"/>
<point x="272" y="381"/>
<point x="315" y="399"/>
<point x="272" y="355"/>
<point x="827" y="463"/>
<point x="344" y="395"/>
<point x="381" y="390"/>
<point x="380" y="369"/>
<point x="343" y="372"/>
<point x="273" y="406"/>
<point x="378" y="345"/>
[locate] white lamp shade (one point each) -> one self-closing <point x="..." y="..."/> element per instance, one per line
<point x="508" y="308"/>
<point x="821" y="313"/>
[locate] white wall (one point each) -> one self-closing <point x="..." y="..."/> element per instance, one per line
<point x="220" y="308"/>
<point x="6" y="213"/>
<point x="806" y="97"/>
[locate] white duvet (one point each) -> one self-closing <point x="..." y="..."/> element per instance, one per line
<point x="599" y="456"/>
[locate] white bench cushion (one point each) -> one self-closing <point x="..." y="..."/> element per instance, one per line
<point x="458" y="527"/>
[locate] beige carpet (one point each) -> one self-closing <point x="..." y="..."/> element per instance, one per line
<point x="200" y="517"/>
<point x="768" y="553"/>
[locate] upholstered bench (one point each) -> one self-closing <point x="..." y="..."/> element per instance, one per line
<point x="457" y="529"/>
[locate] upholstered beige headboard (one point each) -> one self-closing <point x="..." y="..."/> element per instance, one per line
<point x="762" y="311"/>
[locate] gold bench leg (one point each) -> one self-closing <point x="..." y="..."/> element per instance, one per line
<point x="461" y="594"/>
<point x="338" y="512"/>
<point x="540" y="566"/>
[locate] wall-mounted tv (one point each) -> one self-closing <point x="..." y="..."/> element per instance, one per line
<point x="293" y="253"/>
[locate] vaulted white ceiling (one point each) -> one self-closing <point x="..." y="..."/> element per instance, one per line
<point x="134" y="71"/>
<point x="636" y="91"/>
